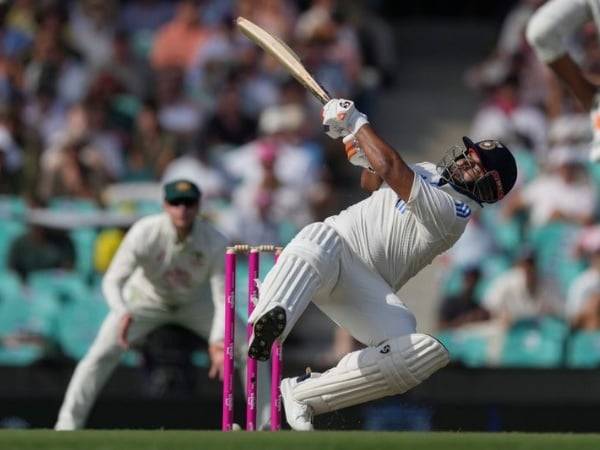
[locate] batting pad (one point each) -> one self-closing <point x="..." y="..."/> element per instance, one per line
<point x="392" y="368"/>
<point x="305" y="265"/>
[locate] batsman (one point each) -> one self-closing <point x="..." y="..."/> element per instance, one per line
<point x="353" y="264"/>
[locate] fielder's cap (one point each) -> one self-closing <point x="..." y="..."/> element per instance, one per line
<point x="498" y="161"/>
<point x="181" y="190"/>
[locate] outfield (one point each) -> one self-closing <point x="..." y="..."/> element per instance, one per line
<point x="183" y="440"/>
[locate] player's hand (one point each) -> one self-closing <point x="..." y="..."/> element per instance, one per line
<point x="217" y="358"/>
<point x="355" y="154"/>
<point x="124" y="325"/>
<point x="340" y="118"/>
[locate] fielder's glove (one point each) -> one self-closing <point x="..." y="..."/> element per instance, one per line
<point x="341" y="118"/>
<point x="355" y="154"/>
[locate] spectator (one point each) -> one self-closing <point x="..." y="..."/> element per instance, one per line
<point x="179" y="41"/>
<point x="279" y="150"/>
<point x="74" y="169"/>
<point x="229" y="125"/>
<point x="52" y="68"/>
<point x="583" y="299"/>
<point x="151" y="149"/>
<point x="41" y="248"/>
<point x="177" y="114"/>
<point x="518" y="293"/>
<point x="563" y="194"/>
<point x="93" y="27"/>
<point x="505" y="116"/>
<point x="463" y="307"/>
<point x="11" y="162"/>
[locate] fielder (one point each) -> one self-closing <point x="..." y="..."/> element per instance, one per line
<point x="160" y="274"/>
<point x="352" y="265"/>
<point x="548" y="32"/>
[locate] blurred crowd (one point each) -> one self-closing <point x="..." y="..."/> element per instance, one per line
<point x="522" y="286"/>
<point x="101" y="101"/>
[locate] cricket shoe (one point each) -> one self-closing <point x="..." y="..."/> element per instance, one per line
<point x="298" y="415"/>
<point x="267" y="329"/>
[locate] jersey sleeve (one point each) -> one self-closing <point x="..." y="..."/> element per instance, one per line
<point x="553" y="23"/>
<point x="123" y="264"/>
<point x="436" y="210"/>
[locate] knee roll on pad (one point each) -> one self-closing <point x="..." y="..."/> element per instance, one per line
<point x="318" y="245"/>
<point x="306" y="263"/>
<point x="392" y="368"/>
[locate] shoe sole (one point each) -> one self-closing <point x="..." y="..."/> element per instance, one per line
<point x="266" y="330"/>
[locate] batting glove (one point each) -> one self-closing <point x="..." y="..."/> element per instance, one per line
<point x="340" y="118"/>
<point x="355" y="154"/>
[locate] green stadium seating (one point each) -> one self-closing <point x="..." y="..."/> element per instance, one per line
<point x="465" y="346"/>
<point x="583" y="350"/>
<point x="12" y="207"/>
<point x="553" y="245"/>
<point x="67" y="286"/>
<point x="79" y="324"/>
<point x="9" y="231"/>
<point x="22" y="311"/>
<point x="535" y="343"/>
<point x="84" y="240"/>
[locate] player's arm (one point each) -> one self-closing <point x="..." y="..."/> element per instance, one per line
<point x="386" y="162"/>
<point x="342" y="120"/>
<point x="570" y="73"/>
<point x="370" y="181"/>
<point x="548" y="31"/>
<point x="122" y="266"/>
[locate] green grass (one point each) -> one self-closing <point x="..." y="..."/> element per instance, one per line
<point x="321" y="440"/>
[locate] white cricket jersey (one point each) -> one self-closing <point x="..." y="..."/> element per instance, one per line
<point x="397" y="238"/>
<point x="557" y="21"/>
<point x="153" y="271"/>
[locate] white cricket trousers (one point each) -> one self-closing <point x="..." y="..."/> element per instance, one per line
<point x="95" y="368"/>
<point x="319" y="266"/>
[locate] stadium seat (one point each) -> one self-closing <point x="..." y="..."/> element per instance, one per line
<point x="583" y="350"/>
<point x="553" y="245"/>
<point x="12" y="207"/>
<point x="23" y="312"/>
<point x="465" y="346"/>
<point x="9" y="231"/>
<point x="535" y="343"/>
<point x="84" y="240"/>
<point x="67" y="286"/>
<point x="495" y="265"/>
<point x="79" y="324"/>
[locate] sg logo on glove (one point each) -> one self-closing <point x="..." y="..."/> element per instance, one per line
<point x="341" y="118"/>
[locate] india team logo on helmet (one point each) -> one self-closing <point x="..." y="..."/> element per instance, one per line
<point x="496" y="169"/>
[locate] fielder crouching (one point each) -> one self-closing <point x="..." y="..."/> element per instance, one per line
<point x="352" y="265"/>
<point x="161" y="273"/>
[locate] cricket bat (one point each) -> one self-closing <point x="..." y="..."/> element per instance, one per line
<point x="284" y="55"/>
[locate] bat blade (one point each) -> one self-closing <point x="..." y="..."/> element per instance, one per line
<point x="284" y="55"/>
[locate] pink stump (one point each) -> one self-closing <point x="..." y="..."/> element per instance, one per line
<point x="230" y="263"/>
<point x="251" y="364"/>
<point x="276" y="369"/>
